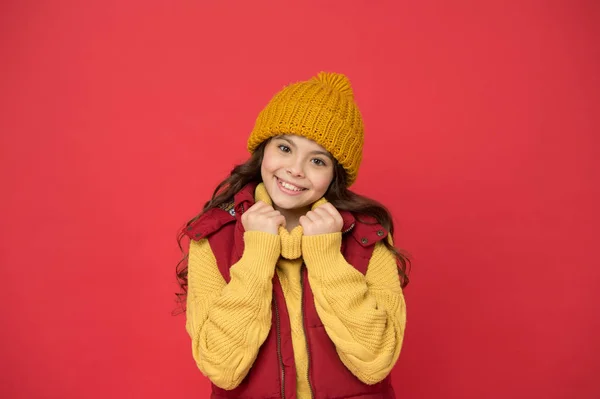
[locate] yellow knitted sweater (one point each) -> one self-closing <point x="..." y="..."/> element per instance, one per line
<point x="364" y="315"/>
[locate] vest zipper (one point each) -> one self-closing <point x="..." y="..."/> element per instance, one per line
<point x="304" y="329"/>
<point x="279" y="349"/>
<point x="349" y="228"/>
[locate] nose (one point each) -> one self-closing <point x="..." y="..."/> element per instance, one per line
<point x="295" y="168"/>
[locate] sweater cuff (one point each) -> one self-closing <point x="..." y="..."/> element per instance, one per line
<point x="321" y="251"/>
<point x="262" y="251"/>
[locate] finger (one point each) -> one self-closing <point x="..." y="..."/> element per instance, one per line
<point x="271" y="214"/>
<point x="281" y="221"/>
<point x="323" y="213"/>
<point x="312" y="216"/>
<point x="256" y="207"/>
<point x="333" y="212"/>
<point x="325" y="216"/>
<point x="265" y="208"/>
<point x="303" y="221"/>
<point x="330" y="209"/>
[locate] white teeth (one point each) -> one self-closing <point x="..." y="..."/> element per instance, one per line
<point x="289" y="186"/>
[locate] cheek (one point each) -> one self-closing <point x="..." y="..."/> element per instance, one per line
<point x="268" y="163"/>
<point x="323" y="181"/>
<point x="264" y="167"/>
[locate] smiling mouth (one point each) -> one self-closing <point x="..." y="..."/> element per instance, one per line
<point x="290" y="186"/>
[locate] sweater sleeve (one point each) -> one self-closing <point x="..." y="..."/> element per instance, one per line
<point x="229" y="322"/>
<point x="364" y="315"/>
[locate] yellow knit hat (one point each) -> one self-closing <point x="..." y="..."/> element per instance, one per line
<point x="321" y="109"/>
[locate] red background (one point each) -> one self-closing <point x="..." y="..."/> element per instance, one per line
<point x="119" y="118"/>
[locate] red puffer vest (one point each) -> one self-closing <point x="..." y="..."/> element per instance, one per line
<point x="273" y="374"/>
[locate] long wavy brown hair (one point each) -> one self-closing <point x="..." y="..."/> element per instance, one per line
<point x="337" y="194"/>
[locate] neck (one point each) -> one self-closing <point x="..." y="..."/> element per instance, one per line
<point x="292" y="216"/>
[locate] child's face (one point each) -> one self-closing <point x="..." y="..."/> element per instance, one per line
<point x="296" y="171"/>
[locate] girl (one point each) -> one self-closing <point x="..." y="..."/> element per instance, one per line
<point x="294" y="287"/>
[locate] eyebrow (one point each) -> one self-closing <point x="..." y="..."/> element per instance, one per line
<point x="312" y="152"/>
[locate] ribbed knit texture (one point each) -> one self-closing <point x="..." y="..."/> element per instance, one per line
<point x="321" y="109"/>
<point x="364" y="315"/>
<point x="229" y="322"/>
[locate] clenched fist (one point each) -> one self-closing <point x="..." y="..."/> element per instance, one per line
<point x="262" y="217"/>
<point x="324" y="219"/>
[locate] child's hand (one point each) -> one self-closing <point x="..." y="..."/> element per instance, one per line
<point x="262" y="217"/>
<point x="324" y="219"/>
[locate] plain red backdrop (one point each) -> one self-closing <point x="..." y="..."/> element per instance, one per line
<point x="119" y="118"/>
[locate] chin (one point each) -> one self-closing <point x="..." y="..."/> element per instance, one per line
<point x="287" y="203"/>
<point x="290" y="207"/>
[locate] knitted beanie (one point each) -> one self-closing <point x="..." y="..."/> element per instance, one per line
<point x="321" y="109"/>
